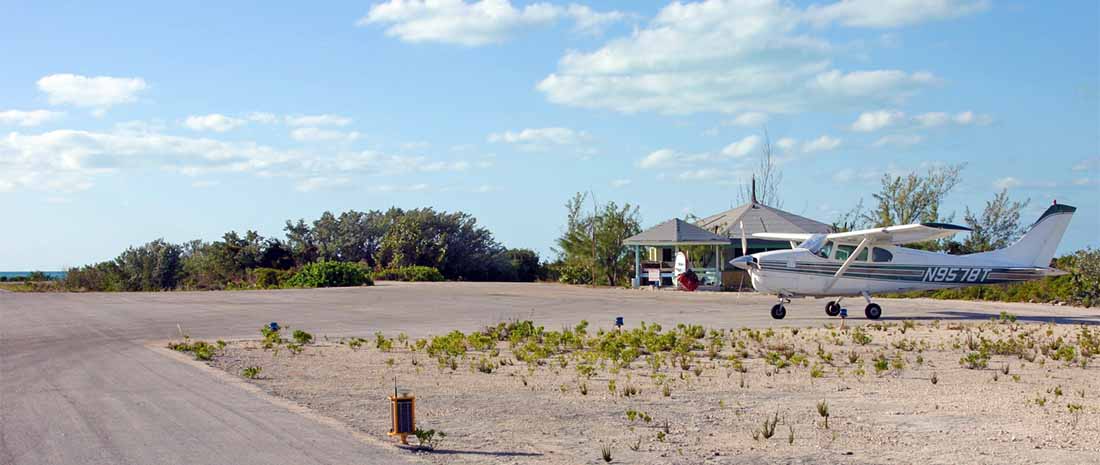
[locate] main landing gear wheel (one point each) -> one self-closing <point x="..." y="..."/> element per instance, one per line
<point x="873" y="311"/>
<point x="779" y="311"/>
<point x="832" y="308"/>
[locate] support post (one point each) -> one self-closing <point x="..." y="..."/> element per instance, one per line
<point x="637" y="266"/>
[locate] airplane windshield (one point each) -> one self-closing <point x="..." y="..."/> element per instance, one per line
<point x="814" y="243"/>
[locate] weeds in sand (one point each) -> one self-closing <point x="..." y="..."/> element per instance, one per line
<point x="251" y="372"/>
<point x="201" y="350"/>
<point x="485" y="365"/>
<point x="429" y="439"/>
<point x="611" y="386"/>
<point x="790" y="435"/>
<point x="666" y="390"/>
<point x="390" y="362"/>
<point x="881" y="364"/>
<point x="630" y="390"/>
<point x="661" y="436"/>
<point x="1040" y="400"/>
<point x="935" y="378"/>
<point x="823" y="411"/>
<point x="817" y="371"/>
<point x="975" y="360"/>
<point x="859" y="336"/>
<point x="636" y="445"/>
<point x="768" y="429"/>
<point x="1075" y="410"/>
<point x="302" y="337"/>
<point x="583" y="388"/>
<point x="853" y="357"/>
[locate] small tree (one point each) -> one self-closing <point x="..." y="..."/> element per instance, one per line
<point x="997" y="227"/>
<point x="766" y="177"/>
<point x="608" y="226"/>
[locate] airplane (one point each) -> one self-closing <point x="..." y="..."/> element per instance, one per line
<point x="870" y="261"/>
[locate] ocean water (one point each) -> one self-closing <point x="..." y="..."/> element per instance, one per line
<point x="51" y="274"/>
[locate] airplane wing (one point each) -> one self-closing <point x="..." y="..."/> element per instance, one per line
<point x="797" y="237"/>
<point x="901" y="234"/>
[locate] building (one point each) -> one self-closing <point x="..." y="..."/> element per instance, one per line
<point x="713" y="241"/>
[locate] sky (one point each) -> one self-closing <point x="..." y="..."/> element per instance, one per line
<point x="123" y="122"/>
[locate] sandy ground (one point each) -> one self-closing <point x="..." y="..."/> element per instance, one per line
<point x="537" y="414"/>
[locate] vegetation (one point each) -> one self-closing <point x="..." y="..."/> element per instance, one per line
<point x="591" y="248"/>
<point x="408" y="273"/>
<point x="429" y="439"/>
<point x="330" y="274"/>
<point x="451" y="243"/>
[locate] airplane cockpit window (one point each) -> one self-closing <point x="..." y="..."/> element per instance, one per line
<point x="845" y="251"/>
<point x="881" y="255"/>
<point x="814" y="243"/>
<point x="826" y="250"/>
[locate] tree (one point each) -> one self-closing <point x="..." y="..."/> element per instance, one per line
<point x="764" y="187"/>
<point x="914" y="198"/>
<point x="524" y="262"/>
<point x="997" y="227"/>
<point x="300" y="240"/>
<point x="609" y="226"/>
<point x="155" y="266"/>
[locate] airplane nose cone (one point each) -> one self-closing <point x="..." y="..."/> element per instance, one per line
<point x="744" y="262"/>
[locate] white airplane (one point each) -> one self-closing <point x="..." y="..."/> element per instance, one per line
<point x="869" y="261"/>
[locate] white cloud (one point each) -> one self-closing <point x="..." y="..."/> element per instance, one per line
<point x="750" y="119"/>
<point x="965" y="118"/>
<point x="1006" y="183"/>
<point x="322" y="135"/>
<point x="317" y="120"/>
<point x="477" y="23"/>
<point x="892" y="13"/>
<point x="263" y="117"/>
<point x="874" y="120"/>
<point x="589" y="21"/>
<point x="1087" y="164"/>
<point x="99" y="93"/>
<point x="823" y="143"/>
<point x="28" y="118"/>
<point x="742" y="147"/>
<point x="213" y="122"/>
<point x="704" y="174"/>
<point x="320" y="182"/>
<point x="786" y="144"/>
<point x="730" y="56"/>
<point x="620" y="183"/>
<point x="401" y="188"/>
<point x="540" y="138"/>
<point x="71" y="160"/>
<point x="898" y="140"/>
<point x="658" y="158"/>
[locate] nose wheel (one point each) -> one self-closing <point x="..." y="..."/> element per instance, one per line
<point x="832" y="308"/>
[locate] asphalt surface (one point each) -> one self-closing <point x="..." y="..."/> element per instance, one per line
<point x="79" y="383"/>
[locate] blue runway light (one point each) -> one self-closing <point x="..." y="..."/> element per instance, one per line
<point x="619" y="322"/>
<point x="273" y="326"/>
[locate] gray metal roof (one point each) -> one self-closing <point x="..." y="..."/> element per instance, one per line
<point x="760" y="218"/>
<point x="673" y="232"/>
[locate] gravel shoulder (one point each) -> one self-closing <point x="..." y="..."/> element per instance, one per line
<point x="1045" y="409"/>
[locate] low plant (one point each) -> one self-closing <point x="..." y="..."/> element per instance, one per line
<point x="605" y="453"/>
<point x="429" y="439"/>
<point x="823" y="411"/>
<point x="302" y="337"/>
<point x="935" y="379"/>
<point x="975" y="360"/>
<point x="251" y="372"/>
<point x="859" y="336"/>
<point x="768" y="429"/>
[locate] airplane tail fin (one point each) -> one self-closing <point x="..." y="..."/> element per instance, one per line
<point x="1037" y="246"/>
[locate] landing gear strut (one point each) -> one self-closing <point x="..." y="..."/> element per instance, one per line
<point x="873" y="310"/>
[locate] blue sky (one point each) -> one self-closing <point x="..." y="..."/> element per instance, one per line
<point x="125" y="122"/>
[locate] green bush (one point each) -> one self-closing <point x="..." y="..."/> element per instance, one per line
<point x="330" y="274"/>
<point x="269" y="278"/>
<point x="408" y="273"/>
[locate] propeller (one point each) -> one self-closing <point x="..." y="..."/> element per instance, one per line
<point x="745" y="261"/>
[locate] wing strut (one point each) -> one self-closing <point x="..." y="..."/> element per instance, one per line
<point x="847" y="263"/>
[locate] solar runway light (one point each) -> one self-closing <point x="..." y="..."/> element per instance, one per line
<point x="403" y="413"/>
<point x="843" y="316"/>
<point x="618" y="322"/>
